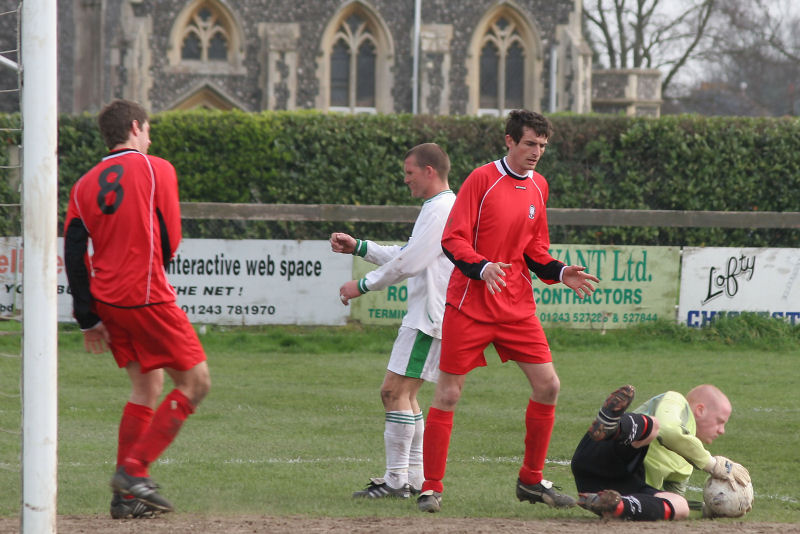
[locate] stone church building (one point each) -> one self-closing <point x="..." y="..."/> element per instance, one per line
<point x="468" y="56"/>
<point x="374" y="56"/>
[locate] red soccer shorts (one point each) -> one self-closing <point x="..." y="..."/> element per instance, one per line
<point x="464" y="340"/>
<point x="156" y="336"/>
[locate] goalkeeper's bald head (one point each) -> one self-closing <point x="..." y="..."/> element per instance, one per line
<point x="711" y="409"/>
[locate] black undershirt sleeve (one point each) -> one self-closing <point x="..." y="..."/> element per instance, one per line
<point x="76" y="241"/>
<point x="165" y="250"/>
<point x="545" y="271"/>
<point x="471" y="270"/>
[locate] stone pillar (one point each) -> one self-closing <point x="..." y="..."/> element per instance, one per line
<point x="574" y="66"/>
<point x="135" y="56"/>
<point x="434" y="66"/>
<point x="88" y="39"/>
<point x="632" y="92"/>
<point x="278" y="78"/>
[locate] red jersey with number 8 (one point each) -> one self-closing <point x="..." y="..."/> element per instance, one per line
<point x="128" y="206"/>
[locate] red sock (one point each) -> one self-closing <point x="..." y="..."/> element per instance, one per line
<point x="539" y="420"/>
<point x="166" y="424"/>
<point x="620" y="509"/>
<point x="438" y="427"/>
<point x="135" y="420"/>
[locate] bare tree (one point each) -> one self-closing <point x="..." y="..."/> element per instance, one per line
<point x="758" y="50"/>
<point x="768" y="25"/>
<point x="660" y="34"/>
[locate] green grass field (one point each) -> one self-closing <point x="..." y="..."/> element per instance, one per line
<point x="294" y="422"/>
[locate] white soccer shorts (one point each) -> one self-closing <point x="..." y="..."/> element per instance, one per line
<point x="415" y="354"/>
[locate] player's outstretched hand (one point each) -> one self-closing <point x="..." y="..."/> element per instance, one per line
<point x="96" y="339"/>
<point x="493" y="275"/>
<point x="577" y="279"/>
<point x="723" y="468"/>
<point x="342" y="243"/>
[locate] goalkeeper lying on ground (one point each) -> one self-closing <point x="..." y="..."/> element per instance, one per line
<point x="621" y="470"/>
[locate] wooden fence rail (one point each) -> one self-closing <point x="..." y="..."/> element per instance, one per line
<point x="555" y="216"/>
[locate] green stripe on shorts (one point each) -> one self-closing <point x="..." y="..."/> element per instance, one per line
<point x="419" y="354"/>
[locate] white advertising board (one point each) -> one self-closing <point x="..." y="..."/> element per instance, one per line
<point x="730" y="281"/>
<point x="252" y="282"/>
<point x="234" y="282"/>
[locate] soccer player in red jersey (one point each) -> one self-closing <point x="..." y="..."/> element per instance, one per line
<point x="496" y="234"/>
<point x="122" y="228"/>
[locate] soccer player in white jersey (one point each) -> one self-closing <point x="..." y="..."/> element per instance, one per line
<point x="415" y="355"/>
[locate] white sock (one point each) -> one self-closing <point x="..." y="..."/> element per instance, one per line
<point x="416" y="475"/>
<point x="397" y="436"/>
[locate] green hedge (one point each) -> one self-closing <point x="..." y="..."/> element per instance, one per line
<point x="9" y="178"/>
<point x="673" y="163"/>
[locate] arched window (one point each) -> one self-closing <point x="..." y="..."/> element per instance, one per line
<point x="355" y="67"/>
<point x="207" y="39"/>
<point x="502" y="68"/>
<point x="503" y="74"/>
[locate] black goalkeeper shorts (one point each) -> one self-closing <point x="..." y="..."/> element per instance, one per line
<point x="602" y="465"/>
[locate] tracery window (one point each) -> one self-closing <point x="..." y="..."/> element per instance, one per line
<point x="353" y="66"/>
<point x="504" y="63"/>
<point x="502" y="68"/>
<point x="205" y="38"/>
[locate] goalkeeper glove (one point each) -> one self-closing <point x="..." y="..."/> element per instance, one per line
<point x="721" y="467"/>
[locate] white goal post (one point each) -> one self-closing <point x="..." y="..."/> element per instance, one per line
<point x="38" y="64"/>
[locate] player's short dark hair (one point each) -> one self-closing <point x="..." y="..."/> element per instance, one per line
<point x="116" y="118"/>
<point x="431" y="154"/>
<point x="522" y="118"/>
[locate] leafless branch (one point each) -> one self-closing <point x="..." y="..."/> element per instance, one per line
<point x="706" y="9"/>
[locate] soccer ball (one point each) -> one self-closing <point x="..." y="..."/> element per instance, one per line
<point x="722" y="500"/>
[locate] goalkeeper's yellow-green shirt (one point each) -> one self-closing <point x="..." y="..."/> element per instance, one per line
<point x="674" y="454"/>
